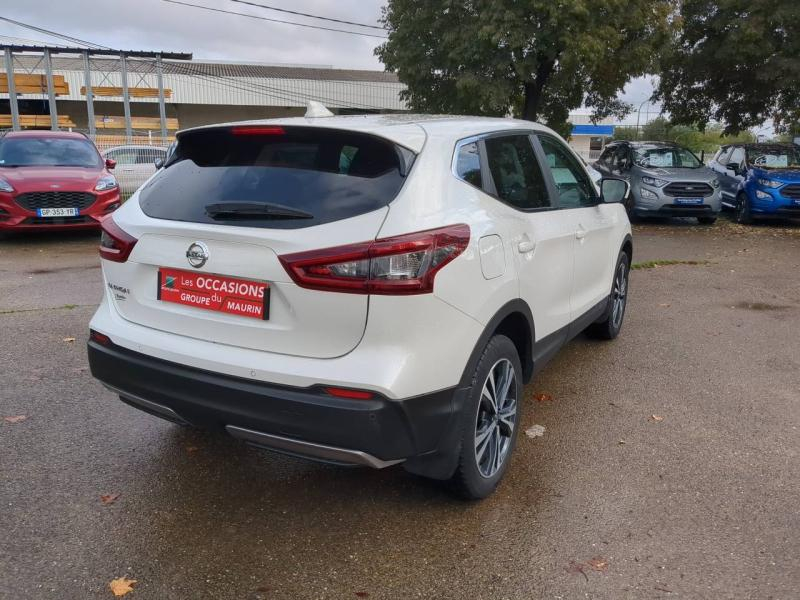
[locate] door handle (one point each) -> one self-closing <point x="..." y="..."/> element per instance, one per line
<point x="580" y="234"/>
<point x="525" y="247"/>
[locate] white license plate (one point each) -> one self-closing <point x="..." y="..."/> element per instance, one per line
<point x="689" y="200"/>
<point x="57" y="212"/>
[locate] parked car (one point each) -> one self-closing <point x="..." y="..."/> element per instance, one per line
<point x="135" y="164"/>
<point x="365" y="290"/>
<point x="759" y="180"/>
<point x="53" y="180"/>
<point x="666" y="180"/>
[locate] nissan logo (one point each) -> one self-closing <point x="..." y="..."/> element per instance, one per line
<point x="197" y="254"/>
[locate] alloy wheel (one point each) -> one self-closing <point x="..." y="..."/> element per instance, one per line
<point x="497" y="418"/>
<point x="619" y="296"/>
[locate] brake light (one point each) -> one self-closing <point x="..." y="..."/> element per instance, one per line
<point x="258" y="130"/>
<point x="115" y="244"/>
<point x="405" y="264"/>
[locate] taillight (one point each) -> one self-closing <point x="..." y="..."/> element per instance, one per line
<point x="405" y="264"/>
<point x="115" y="244"/>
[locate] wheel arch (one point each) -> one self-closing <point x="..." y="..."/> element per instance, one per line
<point x="514" y="320"/>
<point x="627" y="247"/>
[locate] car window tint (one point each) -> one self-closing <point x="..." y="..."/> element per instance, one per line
<point x="516" y="172"/>
<point x="330" y="174"/>
<point x="468" y="164"/>
<point x="621" y="157"/>
<point x="737" y="156"/>
<point x="606" y="157"/>
<point x="574" y="187"/>
<point x="48" y="152"/>
<point x="346" y="156"/>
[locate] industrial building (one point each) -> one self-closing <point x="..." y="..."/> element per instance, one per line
<point x="89" y="89"/>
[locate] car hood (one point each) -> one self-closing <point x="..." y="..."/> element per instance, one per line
<point x="784" y="175"/>
<point x="73" y="179"/>
<point x="674" y="174"/>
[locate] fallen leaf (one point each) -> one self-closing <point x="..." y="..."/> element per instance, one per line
<point x="121" y="586"/>
<point x="69" y="340"/>
<point x="621" y="442"/>
<point x="109" y="498"/>
<point x="15" y="419"/>
<point x="665" y="304"/>
<point x="534" y="431"/>
<point x="191" y="449"/>
<point x="598" y="563"/>
<point x="656" y="418"/>
<point x="542" y="397"/>
<point x="362" y="594"/>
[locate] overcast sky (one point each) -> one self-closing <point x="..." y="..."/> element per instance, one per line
<point x="158" y="25"/>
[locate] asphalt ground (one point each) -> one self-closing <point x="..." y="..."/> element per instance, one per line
<point x="669" y="465"/>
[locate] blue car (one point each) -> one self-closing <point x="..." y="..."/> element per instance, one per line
<point x="759" y="180"/>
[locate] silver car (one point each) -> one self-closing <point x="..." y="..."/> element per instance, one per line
<point x="666" y="180"/>
<point x="135" y="164"/>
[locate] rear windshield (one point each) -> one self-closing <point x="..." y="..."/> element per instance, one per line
<point x="275" y="177"/>
<point x="48" y="152"/>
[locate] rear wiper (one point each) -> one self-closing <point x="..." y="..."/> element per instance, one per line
<point x="254" y="210"/>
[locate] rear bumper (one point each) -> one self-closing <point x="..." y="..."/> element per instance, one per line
<point x="301" y="421"/>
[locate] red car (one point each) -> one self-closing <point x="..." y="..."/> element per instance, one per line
<point x="53" y="180"/>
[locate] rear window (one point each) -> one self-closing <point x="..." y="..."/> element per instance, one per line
<point x="48" y="152"/>
<point x="275" y="177"/>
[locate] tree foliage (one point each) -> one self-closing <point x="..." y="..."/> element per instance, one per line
<point x="736" y="62"/>
<point x="537" y="59"/>
<point x="661" y="129"/>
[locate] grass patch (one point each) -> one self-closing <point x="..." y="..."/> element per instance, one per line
<point x="654" y="264"/>
<point x="13" y="311"/>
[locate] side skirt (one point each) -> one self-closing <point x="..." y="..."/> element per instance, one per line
<point x="547" y="347"/>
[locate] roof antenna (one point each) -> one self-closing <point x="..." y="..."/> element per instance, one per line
<point x="317" y="109"/>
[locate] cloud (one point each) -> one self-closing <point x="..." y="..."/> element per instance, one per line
<point x="157" y="25"/>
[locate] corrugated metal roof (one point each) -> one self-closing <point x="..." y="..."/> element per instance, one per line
<point x="214" y="69"/>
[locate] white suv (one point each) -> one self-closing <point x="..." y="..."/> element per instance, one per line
<point x="362" y="290"/>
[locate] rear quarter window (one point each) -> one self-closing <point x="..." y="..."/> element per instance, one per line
<point x="328" y="174"/>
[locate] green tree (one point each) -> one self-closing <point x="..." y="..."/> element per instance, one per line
<point x="736" y="62"/>
<point x="535" y="59"/>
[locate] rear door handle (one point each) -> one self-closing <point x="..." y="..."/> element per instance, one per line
<point x="525" y="247"/>
<point x="580" y="234"/>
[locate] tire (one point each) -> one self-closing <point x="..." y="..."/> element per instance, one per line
<point x="743" y="214"/>
<point x="483" y="462"/>
<point x="610" y="326"/>
<point x="706" y="220"/>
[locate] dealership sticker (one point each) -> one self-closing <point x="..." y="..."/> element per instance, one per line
<point x="214" y="292"/>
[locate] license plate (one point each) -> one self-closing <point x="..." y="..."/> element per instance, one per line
<point x="688" y="200"/>
<point x="57" y="212"/>
<point x="241" y="297"/>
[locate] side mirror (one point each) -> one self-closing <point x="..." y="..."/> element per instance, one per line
<point x="614" y="190"/>
<point x="110" y="163"/>
<point x="733" y="167"/>
<point x="159" y="162"/>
